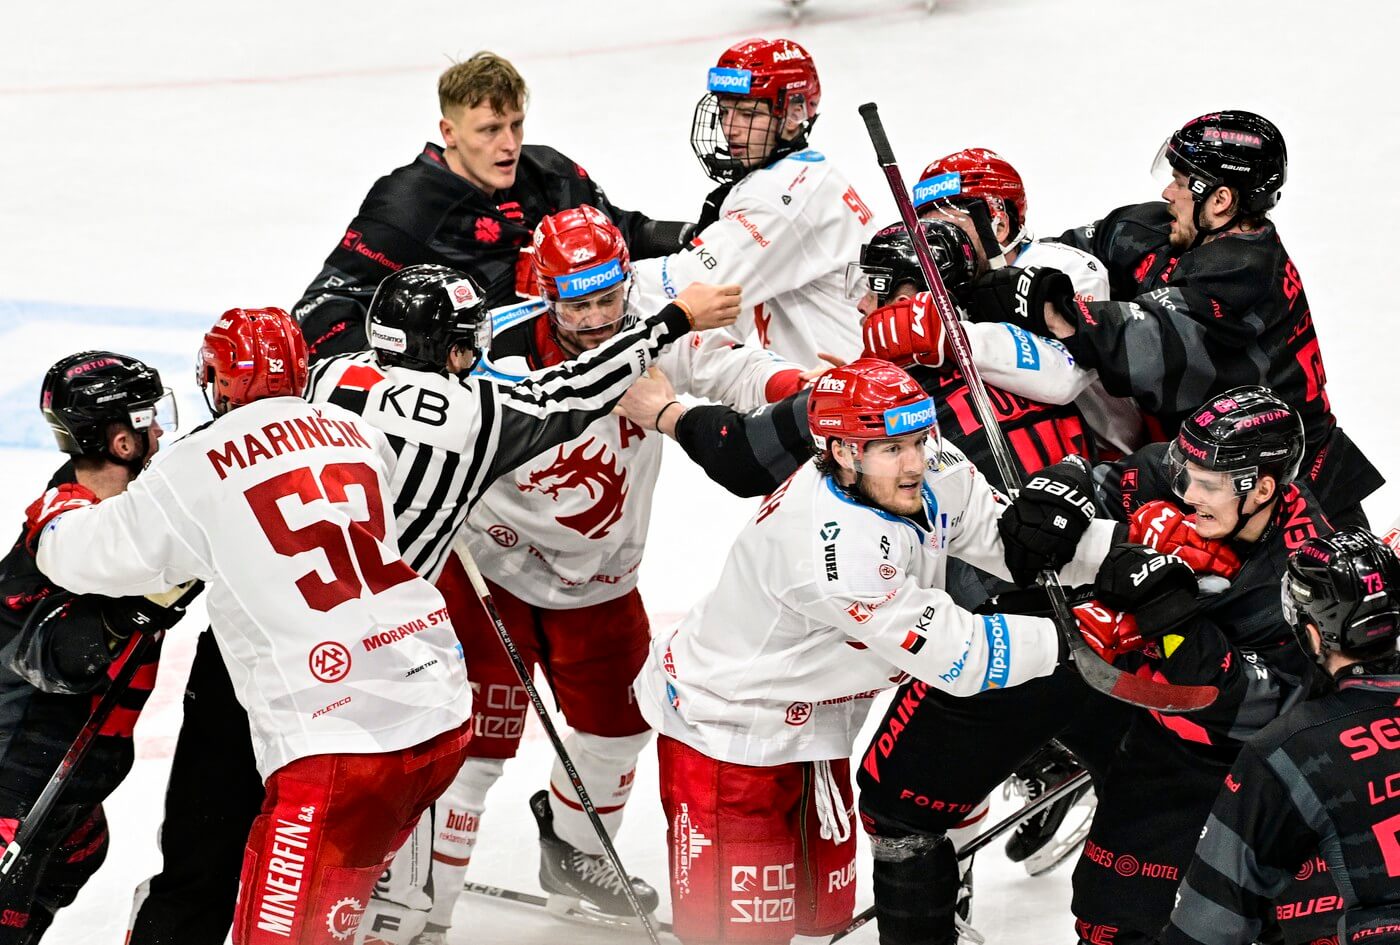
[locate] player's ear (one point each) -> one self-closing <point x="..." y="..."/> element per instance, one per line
<point x="121" y="441"/>
<point x="1265" y="489"/>
<point x="795" y="116"/>
<point x="448" y="129"/>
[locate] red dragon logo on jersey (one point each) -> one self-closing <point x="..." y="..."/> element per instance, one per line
<point x="599" y="473"/>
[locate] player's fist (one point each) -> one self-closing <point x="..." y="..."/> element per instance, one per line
<point x="1163" y="526"/>
<point x="1019" y="296"/>
<point x="1158" y="589"/>
<point x="907" y="331"/>
<point x="711" y="306"/>
<point x="1042" y="528"/>
<point x="51" y="505"/>
<point x="527" y="278"/>
<point x="1108" y="632"/>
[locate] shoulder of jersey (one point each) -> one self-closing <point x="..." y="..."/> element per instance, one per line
<point x="1054" y="251"/>
<point x="787" y="183"/>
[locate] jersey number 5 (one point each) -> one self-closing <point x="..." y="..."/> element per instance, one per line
<point x="352" y="550"/>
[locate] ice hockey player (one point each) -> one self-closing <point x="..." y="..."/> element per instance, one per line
<point x="470" y="203"/>
<point x="1234" y="464"/>
<point x="784" y="221"/>
<point x="560" y="541"/>
<point x="349" y="669"/>
<point x="831" y="594"/>
<point x="1318" y="778"/>
<point x="58" y="651"/>
<point x="1204" y="298"/>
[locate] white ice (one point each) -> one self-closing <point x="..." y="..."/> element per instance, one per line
<point x="162" y="162"/>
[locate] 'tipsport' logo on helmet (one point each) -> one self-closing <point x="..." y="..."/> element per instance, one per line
<point x="730" y="81"/>
<point x="907" y="419"/>
<point x="589" y="280"/>
<point x="937" y="188"/>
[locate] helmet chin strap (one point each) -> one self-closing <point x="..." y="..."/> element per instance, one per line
<point x="1242" y="518"/>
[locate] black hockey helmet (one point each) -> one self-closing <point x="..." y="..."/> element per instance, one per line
<point x="889" y="260"/>
<point x="1346" y="585"/>
<point x="420" y="313"/>
<point x="1235" y="149"/>
<point x="1246" y="432"/>
<point x="84" y="393"/>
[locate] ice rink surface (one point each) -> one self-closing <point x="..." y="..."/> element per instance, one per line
<point x="163" y="162"/>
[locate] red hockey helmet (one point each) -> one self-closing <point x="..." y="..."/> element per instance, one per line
<point x="868" y="399"/>
<point x="976" y="173"/>
<point x="579" y="252"/>
<point x="249" y="354"/>
<point x="771" y="69"/>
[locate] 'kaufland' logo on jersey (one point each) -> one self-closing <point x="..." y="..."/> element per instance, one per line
<point x="937" y="188"/>
<point x="730" y="81"/>
<point x="900" y="420"/>
<point x="589" y="280"/>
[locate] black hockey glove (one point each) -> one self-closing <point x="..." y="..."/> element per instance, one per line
<point x="1158" y="589"/>
<point x="1043" y="526"/>
<point x="1018" y="296"/>
<point x="124" y="616"/>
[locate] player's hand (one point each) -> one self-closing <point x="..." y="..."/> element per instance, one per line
<point x="1108" y="632"/>
<point x="646" y="398"/>
<point x="1019" y="296"/>
<point x="51" y="505"/>
<point x="712" y="306"/>
<point x="1163" y="526"/>
<point x="527" y="279"/>
<point x="907" y="331"/>
<point x="1158" y="589"/>
<point x="810" y="375"/>
<point x="1042" y="528"/>
<point x="154" y="613"/>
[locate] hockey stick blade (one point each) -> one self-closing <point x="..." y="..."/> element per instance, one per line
<point x="1023" y="813"/>
<point x="542" y="902"/>
<point x="1147" y="693"/>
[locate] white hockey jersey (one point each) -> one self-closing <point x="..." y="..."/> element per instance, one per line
<point x="333" y="644"/>
<point x="824" y="602"/>
<point x="785" y="234"/>
<point x="1042" y="369"/>
<point x="568" y="528"/>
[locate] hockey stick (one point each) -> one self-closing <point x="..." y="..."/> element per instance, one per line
<point x="524" y="898"/>
<point x="1022" y="814"/>
<point x="523" y="672"/>
<point x="1097" y="672"/>
<point x="48" y="798"/>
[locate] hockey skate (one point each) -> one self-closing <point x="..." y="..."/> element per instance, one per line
<point x="1049" y="838"/>
<point x="583" y="887"/>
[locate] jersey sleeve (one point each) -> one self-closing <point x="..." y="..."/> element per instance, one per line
<point x="1253" y="842"/>
<point x="1015" y="360"/>
<point x="748" y="454"/>
<point x="713" y="366"/>
<point x="137" y="542"/>
<point x="555" y="405"/>
<point x="920" y="630"/>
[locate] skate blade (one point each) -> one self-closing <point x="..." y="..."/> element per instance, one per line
<point x="573" y="909"/>
<point x="1067" y="840"/>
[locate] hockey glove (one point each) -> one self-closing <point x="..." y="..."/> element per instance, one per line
<point x="1158" y="589"/>
<point x="1109" y="633"/>
<point x="907" y="331"/>
<point x="1163" y="526"/>
<point x="155" y="613"/>
<point x="51" y="505"/>
<point x="1019" y="296"/>
<point x="1043" y="526"/>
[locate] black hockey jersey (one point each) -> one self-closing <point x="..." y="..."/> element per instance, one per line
<point x="51" y="678"/>
<point x="1181" y="328"/>
<point x="1320" y="778"/>
<point x="424" y="213"/>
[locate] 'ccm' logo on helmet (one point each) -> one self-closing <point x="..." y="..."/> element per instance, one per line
<point x="732" y="81"/>
<point x="900" y="420"/>
<point x="937" y="188"/>
<point x="589" y="280"/>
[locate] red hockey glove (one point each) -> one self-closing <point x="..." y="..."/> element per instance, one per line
<point x="1108" y="632"/>
<point x="527" y="284"/>
<point x="51" y="505"/>
<point x="907" y="332"/>
<point x="1165" y="527"/>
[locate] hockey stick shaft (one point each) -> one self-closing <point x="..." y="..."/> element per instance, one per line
<point x="1021" y="815"/>
<point x="1098" y="673"/>
<point x="523" y="672"/>
<point x="48" y="798"/>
